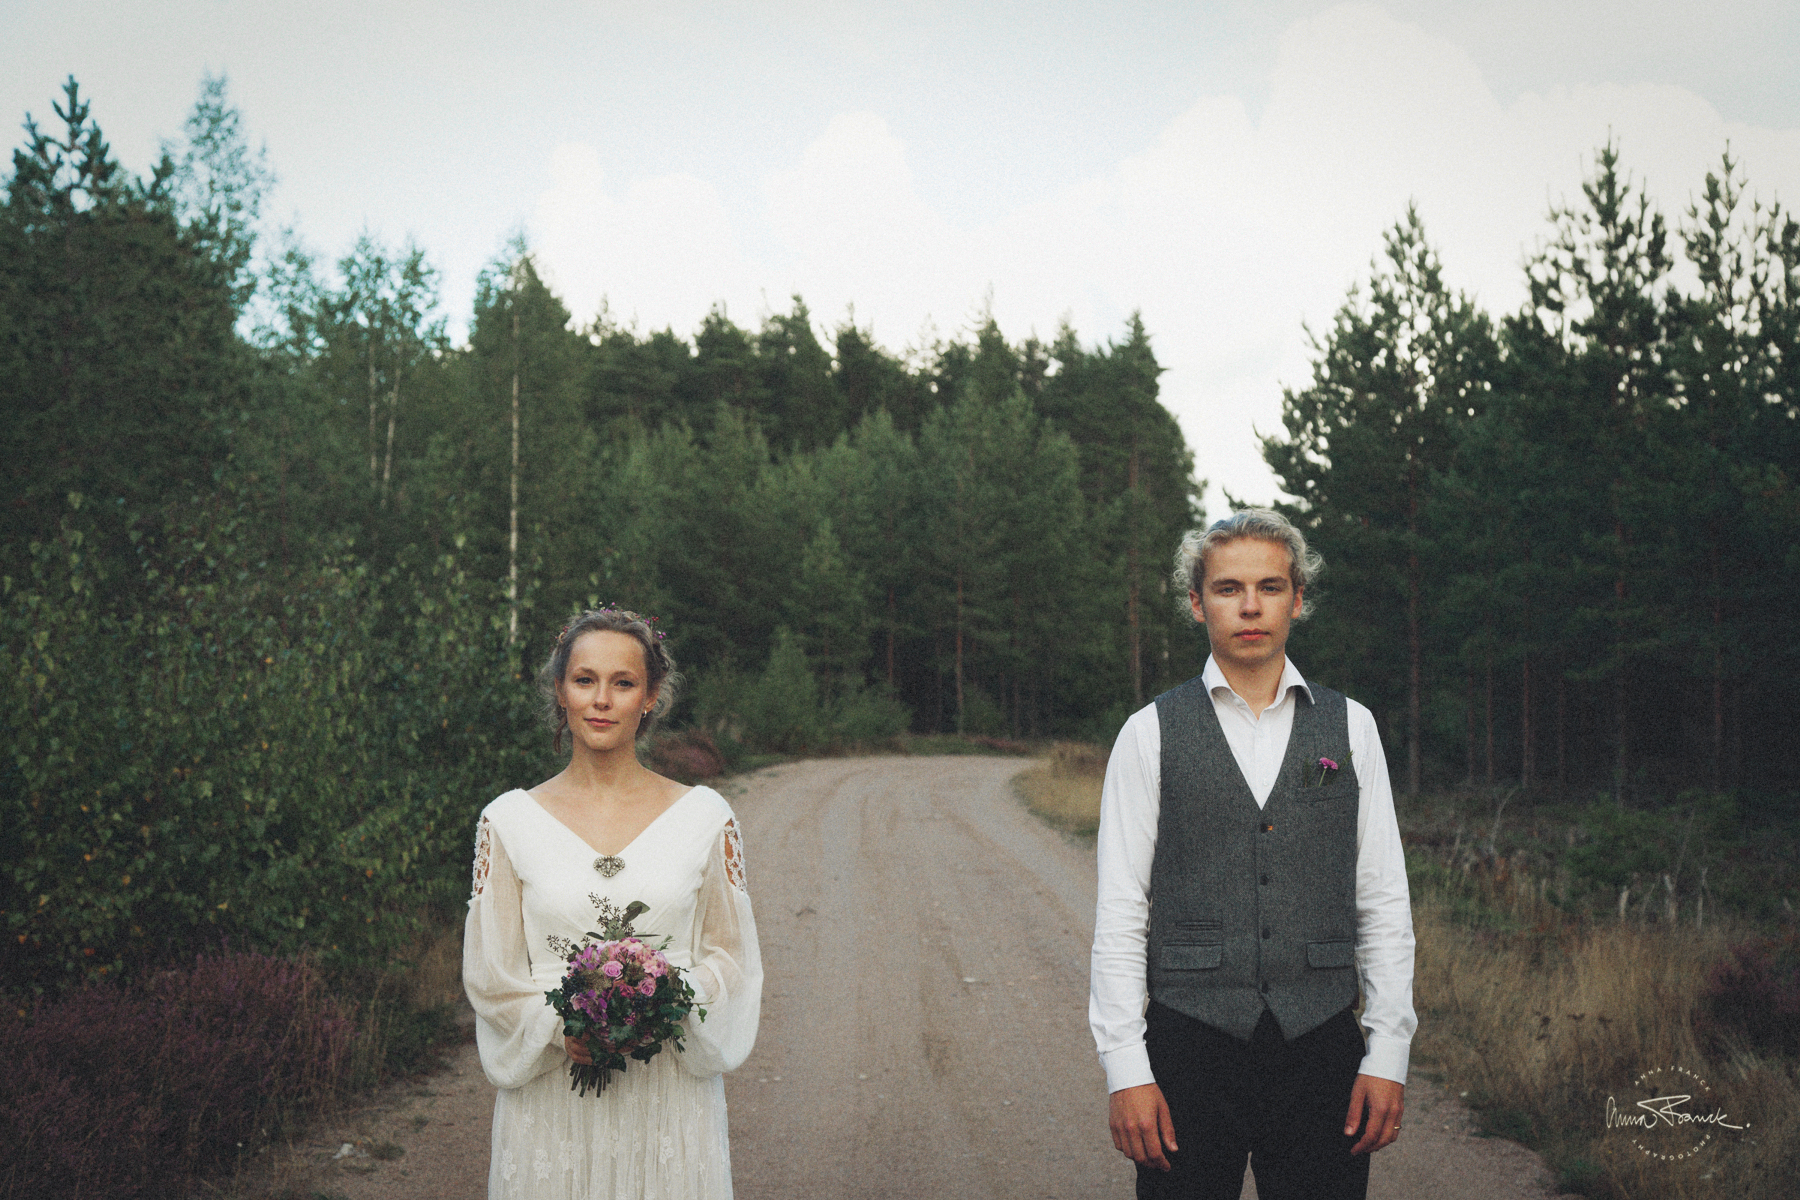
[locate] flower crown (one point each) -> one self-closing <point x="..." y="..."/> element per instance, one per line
<point x="563" y="633"/>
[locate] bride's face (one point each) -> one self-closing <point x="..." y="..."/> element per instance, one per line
<point x="603" y="691"/>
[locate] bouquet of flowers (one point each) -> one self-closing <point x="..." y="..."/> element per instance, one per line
<point x="619" y="997"/>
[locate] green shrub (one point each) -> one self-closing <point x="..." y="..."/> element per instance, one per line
<point x="201" y="753"/>
<point x="782" y="711"/>
<point x="862" y="715"/>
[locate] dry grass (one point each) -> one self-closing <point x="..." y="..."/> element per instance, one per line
<point x="1064" y="789"/>
<point x="435" y="977"/>
<point x="1541" y="1017"/>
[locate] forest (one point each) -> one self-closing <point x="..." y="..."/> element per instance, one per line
<point x="280" y="555"/>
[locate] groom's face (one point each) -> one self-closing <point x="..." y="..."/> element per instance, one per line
<point x="1247" y="601"/>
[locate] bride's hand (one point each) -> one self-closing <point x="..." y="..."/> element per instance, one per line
<point x="578" y="1050"/>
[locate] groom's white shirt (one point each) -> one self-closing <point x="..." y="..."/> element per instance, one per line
<point x="1130" y="805"/>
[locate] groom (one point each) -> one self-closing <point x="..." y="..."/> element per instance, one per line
<point x="1250" y="875"/>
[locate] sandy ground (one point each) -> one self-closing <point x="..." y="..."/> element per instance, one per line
<point x="924" y="1021"/>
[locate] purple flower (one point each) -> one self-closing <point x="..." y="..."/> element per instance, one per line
<point x="612" y="970"/>
<point x="1328" y="764"/>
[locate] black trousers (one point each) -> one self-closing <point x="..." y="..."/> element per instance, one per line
<point x="1280" y="1104"/>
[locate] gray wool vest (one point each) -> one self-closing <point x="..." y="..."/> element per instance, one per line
<point x="1253" y="908"/>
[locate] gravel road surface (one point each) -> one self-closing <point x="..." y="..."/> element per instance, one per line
<point x="924" y="1018"/>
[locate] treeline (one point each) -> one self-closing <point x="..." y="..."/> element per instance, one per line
<point x="1562" y="545"/>
<point x="279" y="556"/>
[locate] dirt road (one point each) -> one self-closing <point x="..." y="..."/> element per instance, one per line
<point x="924" y="1018"/>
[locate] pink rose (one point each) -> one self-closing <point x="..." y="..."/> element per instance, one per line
<point x="647" y="988"/>
<point x="612" y="970"/>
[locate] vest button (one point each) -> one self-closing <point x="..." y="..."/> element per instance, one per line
<point x="1265" y="986"/>
<point x="1265" y="880"/>
<point x="1267" y="827"/>
<point x="1265" y="935"/>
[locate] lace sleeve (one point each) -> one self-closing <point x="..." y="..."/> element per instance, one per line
<point x="734" y="856"/>
<point x="727" y="973"/>
<point x="518" y="1036"/>
<point x="484" y="842"/>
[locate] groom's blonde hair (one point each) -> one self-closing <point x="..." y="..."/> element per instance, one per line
<point x="1263" y="524"/>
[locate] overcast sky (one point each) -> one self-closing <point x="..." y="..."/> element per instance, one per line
<point x="1226" y="168"/>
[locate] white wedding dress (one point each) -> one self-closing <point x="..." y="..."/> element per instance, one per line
<point x="658" y="1130"/>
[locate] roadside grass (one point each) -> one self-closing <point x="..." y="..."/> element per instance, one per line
<point x="408" y="1017"/>
<point x="1064" y="790"/>
<point x="1538" y="1015"/>
<point x="232" y="1058"/>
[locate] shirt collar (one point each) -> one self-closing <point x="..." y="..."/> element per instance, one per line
<point x="1214" y="679"/>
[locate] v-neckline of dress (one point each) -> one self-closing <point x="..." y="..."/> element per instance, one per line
<point x="591" y="848"/>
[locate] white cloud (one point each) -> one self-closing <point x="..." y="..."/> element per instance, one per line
<point x="661" y="254"/>
<point x="849" y="215"/>
<point x="1227" y="232"/>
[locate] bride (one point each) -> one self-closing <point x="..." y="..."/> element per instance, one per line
<point x="608" y="831"/>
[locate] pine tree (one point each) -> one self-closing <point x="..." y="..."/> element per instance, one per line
<point x="1596" y="312"/>
<point x="122" y="369"/>
<point x="1393" y="381"/>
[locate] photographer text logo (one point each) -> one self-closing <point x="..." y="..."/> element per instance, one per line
<point x="1670" y="1114"/>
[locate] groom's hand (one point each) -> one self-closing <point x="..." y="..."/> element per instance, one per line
<point x="1376" y="1106"/>
<point x="1141" y="1127"/>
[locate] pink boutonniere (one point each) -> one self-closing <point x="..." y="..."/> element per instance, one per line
<point x="1328" y="770"/>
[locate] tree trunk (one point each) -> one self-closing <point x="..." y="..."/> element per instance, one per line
<point x="1527" y="748"/>
<point x="1527" y="730"/>
<point x="1131" y="568"/>
<point x="1469" y="728"/>
<point x="1621" y="716"/>
<point x="959" y="653"/>
<point x="281" y="475"/>
<point x="512" y="514"/>
<point x="890" y="636"/>
<point x="373" y="403"/>
<point x="1562" y="736"/>
<point x="387" y="462"/>
<point x="1414" y="671"/>
<point x="1414" y="675"/>
<point x="1490" y="718"/>
<point x="1718" y="676"/>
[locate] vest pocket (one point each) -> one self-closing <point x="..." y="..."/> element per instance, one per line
<point x="1330" y="954"/>
<point x="1337" y="789"/>
<point x="1190" y="956"/>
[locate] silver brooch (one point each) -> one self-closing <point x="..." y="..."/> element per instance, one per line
<point x="609" y="865"/>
